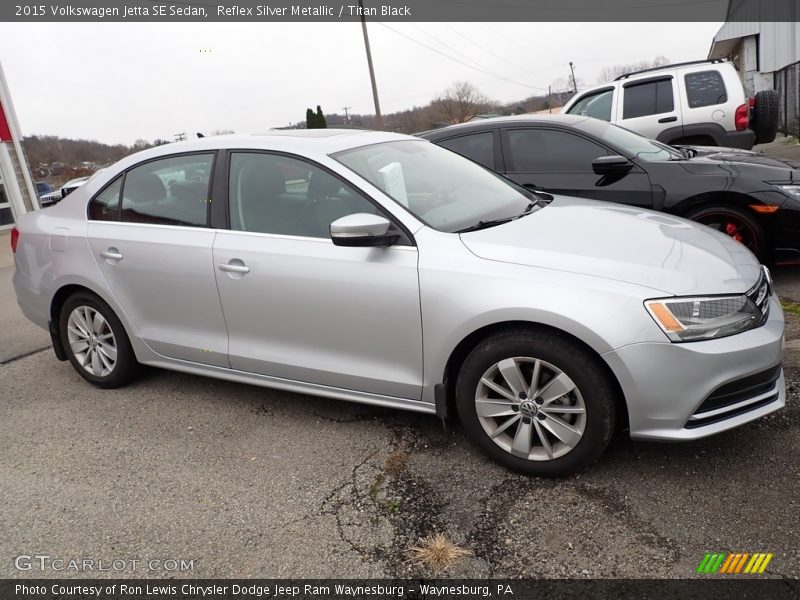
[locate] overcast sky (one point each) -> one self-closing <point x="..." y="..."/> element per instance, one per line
<point x="118" y="82"/>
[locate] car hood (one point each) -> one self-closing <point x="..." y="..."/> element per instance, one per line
<point x="735" y="155"/>
<point x="668" y="254"/>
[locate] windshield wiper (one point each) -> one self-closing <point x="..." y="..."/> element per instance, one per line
<point x="492" y="222"/>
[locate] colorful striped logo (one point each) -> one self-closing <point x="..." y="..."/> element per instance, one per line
<point x="734" y="563"/>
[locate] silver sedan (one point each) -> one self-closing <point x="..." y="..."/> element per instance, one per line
<point x="382" y="269"/>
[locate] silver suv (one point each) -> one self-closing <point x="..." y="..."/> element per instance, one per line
<point x="700" y="103"/>
<point x="380" y="268"/>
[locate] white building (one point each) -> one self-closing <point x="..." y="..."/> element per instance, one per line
<point x="762" y="38"/>
<point x="758" y="49"/>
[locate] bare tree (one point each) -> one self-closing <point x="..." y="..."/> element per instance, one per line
<point x="462" y="101"/>
<point x="609" y="73"/>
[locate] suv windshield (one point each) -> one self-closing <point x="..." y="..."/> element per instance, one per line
<point x="633" y="143"/>
<point x="442" y="189"/>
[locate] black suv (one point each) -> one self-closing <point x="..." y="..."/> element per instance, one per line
<point x="751" y="197"/>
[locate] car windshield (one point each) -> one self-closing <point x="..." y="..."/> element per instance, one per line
<point x="628" y="141"/>
<point x="442" y="189"/>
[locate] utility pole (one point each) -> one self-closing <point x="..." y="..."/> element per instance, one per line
<point x="378" y="115"/>
<point x="550" y="99"/>
<point x="574" y="83"/>
<point x="179" y="137"/>
<point x="346" y="115"/>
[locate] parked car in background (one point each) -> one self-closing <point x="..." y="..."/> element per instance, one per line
<point x="42" y="188"/>
<point x="50" y="198"/>
<point x="752" y="198"/>
<point x="696" y="103"/>
<point x="54" y="197"/>
<point x="72" y="185"/>
<point x="390" y="271"/>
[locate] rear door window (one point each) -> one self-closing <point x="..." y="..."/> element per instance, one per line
<point x="477" y="146"/>
<point x="648" y="98"/>
<point x="705" y="88"/>
<point x="105" y="205"/>
<point x="168" y="191"/>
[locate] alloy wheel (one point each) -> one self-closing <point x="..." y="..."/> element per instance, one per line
<point x="733" y="226"/>
<point x="530" y="408"/>
<point x="92" y="341"/>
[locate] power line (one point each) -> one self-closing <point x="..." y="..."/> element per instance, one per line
<point x="461" y="62"/>
<point x="449" y="48"/>
<point x="484" y="49"/>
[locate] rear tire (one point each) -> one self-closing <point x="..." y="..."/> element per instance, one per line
<point x="765" y="117"/>
<point x="736" y="223"/>
<point x="95" y="341"/>
<point x="566" y="418"/>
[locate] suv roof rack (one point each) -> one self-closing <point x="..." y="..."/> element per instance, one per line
<point x="683" y="64"/>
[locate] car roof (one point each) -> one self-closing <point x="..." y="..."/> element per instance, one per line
<point x="482" y="124"/>
<point x="302" y="141"/>
<point x="653" y="72"/>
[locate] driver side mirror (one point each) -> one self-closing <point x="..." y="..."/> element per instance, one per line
<point x="362" y="230"/>
<point x="611" y="165"/>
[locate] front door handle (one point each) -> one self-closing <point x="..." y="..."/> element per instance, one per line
<point x="668" y="119"/>
<point x="234" y="266"/>
<point x="111" y="254"/>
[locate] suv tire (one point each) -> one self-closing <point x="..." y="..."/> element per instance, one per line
<point x="765" y="116"/>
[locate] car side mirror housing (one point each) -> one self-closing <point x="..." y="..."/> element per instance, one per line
<point x="611" y="165"/>
<point x="362" y="230"/>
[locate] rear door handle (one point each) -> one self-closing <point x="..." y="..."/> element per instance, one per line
<point x="668" y="120"/>
<point x="111" y="254"/>
<point x="234" y="266"/>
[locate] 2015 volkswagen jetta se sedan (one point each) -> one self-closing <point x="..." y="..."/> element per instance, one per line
<point x="380" y="268"/>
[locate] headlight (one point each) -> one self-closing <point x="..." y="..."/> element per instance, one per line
<point x="792" y="190"/>
<point x="692" y="319"/>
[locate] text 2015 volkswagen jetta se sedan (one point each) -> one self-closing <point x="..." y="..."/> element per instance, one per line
<point x="382" y="269"/>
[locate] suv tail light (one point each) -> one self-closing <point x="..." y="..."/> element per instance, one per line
<point x="742" y="117"/>
<point x="14" y="239"/>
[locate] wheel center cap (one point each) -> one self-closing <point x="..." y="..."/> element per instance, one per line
<point x="528" y="408"/>
<point x="93" y="340"/>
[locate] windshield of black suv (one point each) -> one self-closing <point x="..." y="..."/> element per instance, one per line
<point x="442" y="189"/>
<point x="630" y="142"/>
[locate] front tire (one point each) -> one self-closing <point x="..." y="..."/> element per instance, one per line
<point x="536" y="402"/>
<point x="95" y="342"/>
<point x="736" y="223"/>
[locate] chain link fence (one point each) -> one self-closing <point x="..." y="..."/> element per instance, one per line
<point x="787" y="84"/>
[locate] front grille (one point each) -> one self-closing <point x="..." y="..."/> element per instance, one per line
<point x="737" y="397"/>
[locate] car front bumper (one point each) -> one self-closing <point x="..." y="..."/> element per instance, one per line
<point x="692" y="390"/>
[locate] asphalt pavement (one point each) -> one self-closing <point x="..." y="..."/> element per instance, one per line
<point x="240" y="481"/>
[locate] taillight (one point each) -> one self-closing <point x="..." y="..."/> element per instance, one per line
<point x="742" y="118"/>
<point x="14" y="239"/>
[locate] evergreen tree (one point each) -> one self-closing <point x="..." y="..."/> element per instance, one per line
<point x="321" y="122"/>
<point x="310" y="119"/>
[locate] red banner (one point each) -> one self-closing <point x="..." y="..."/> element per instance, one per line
<point x="5" y="130"/>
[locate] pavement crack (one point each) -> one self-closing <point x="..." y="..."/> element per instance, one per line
<point x="14" y="359"/>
